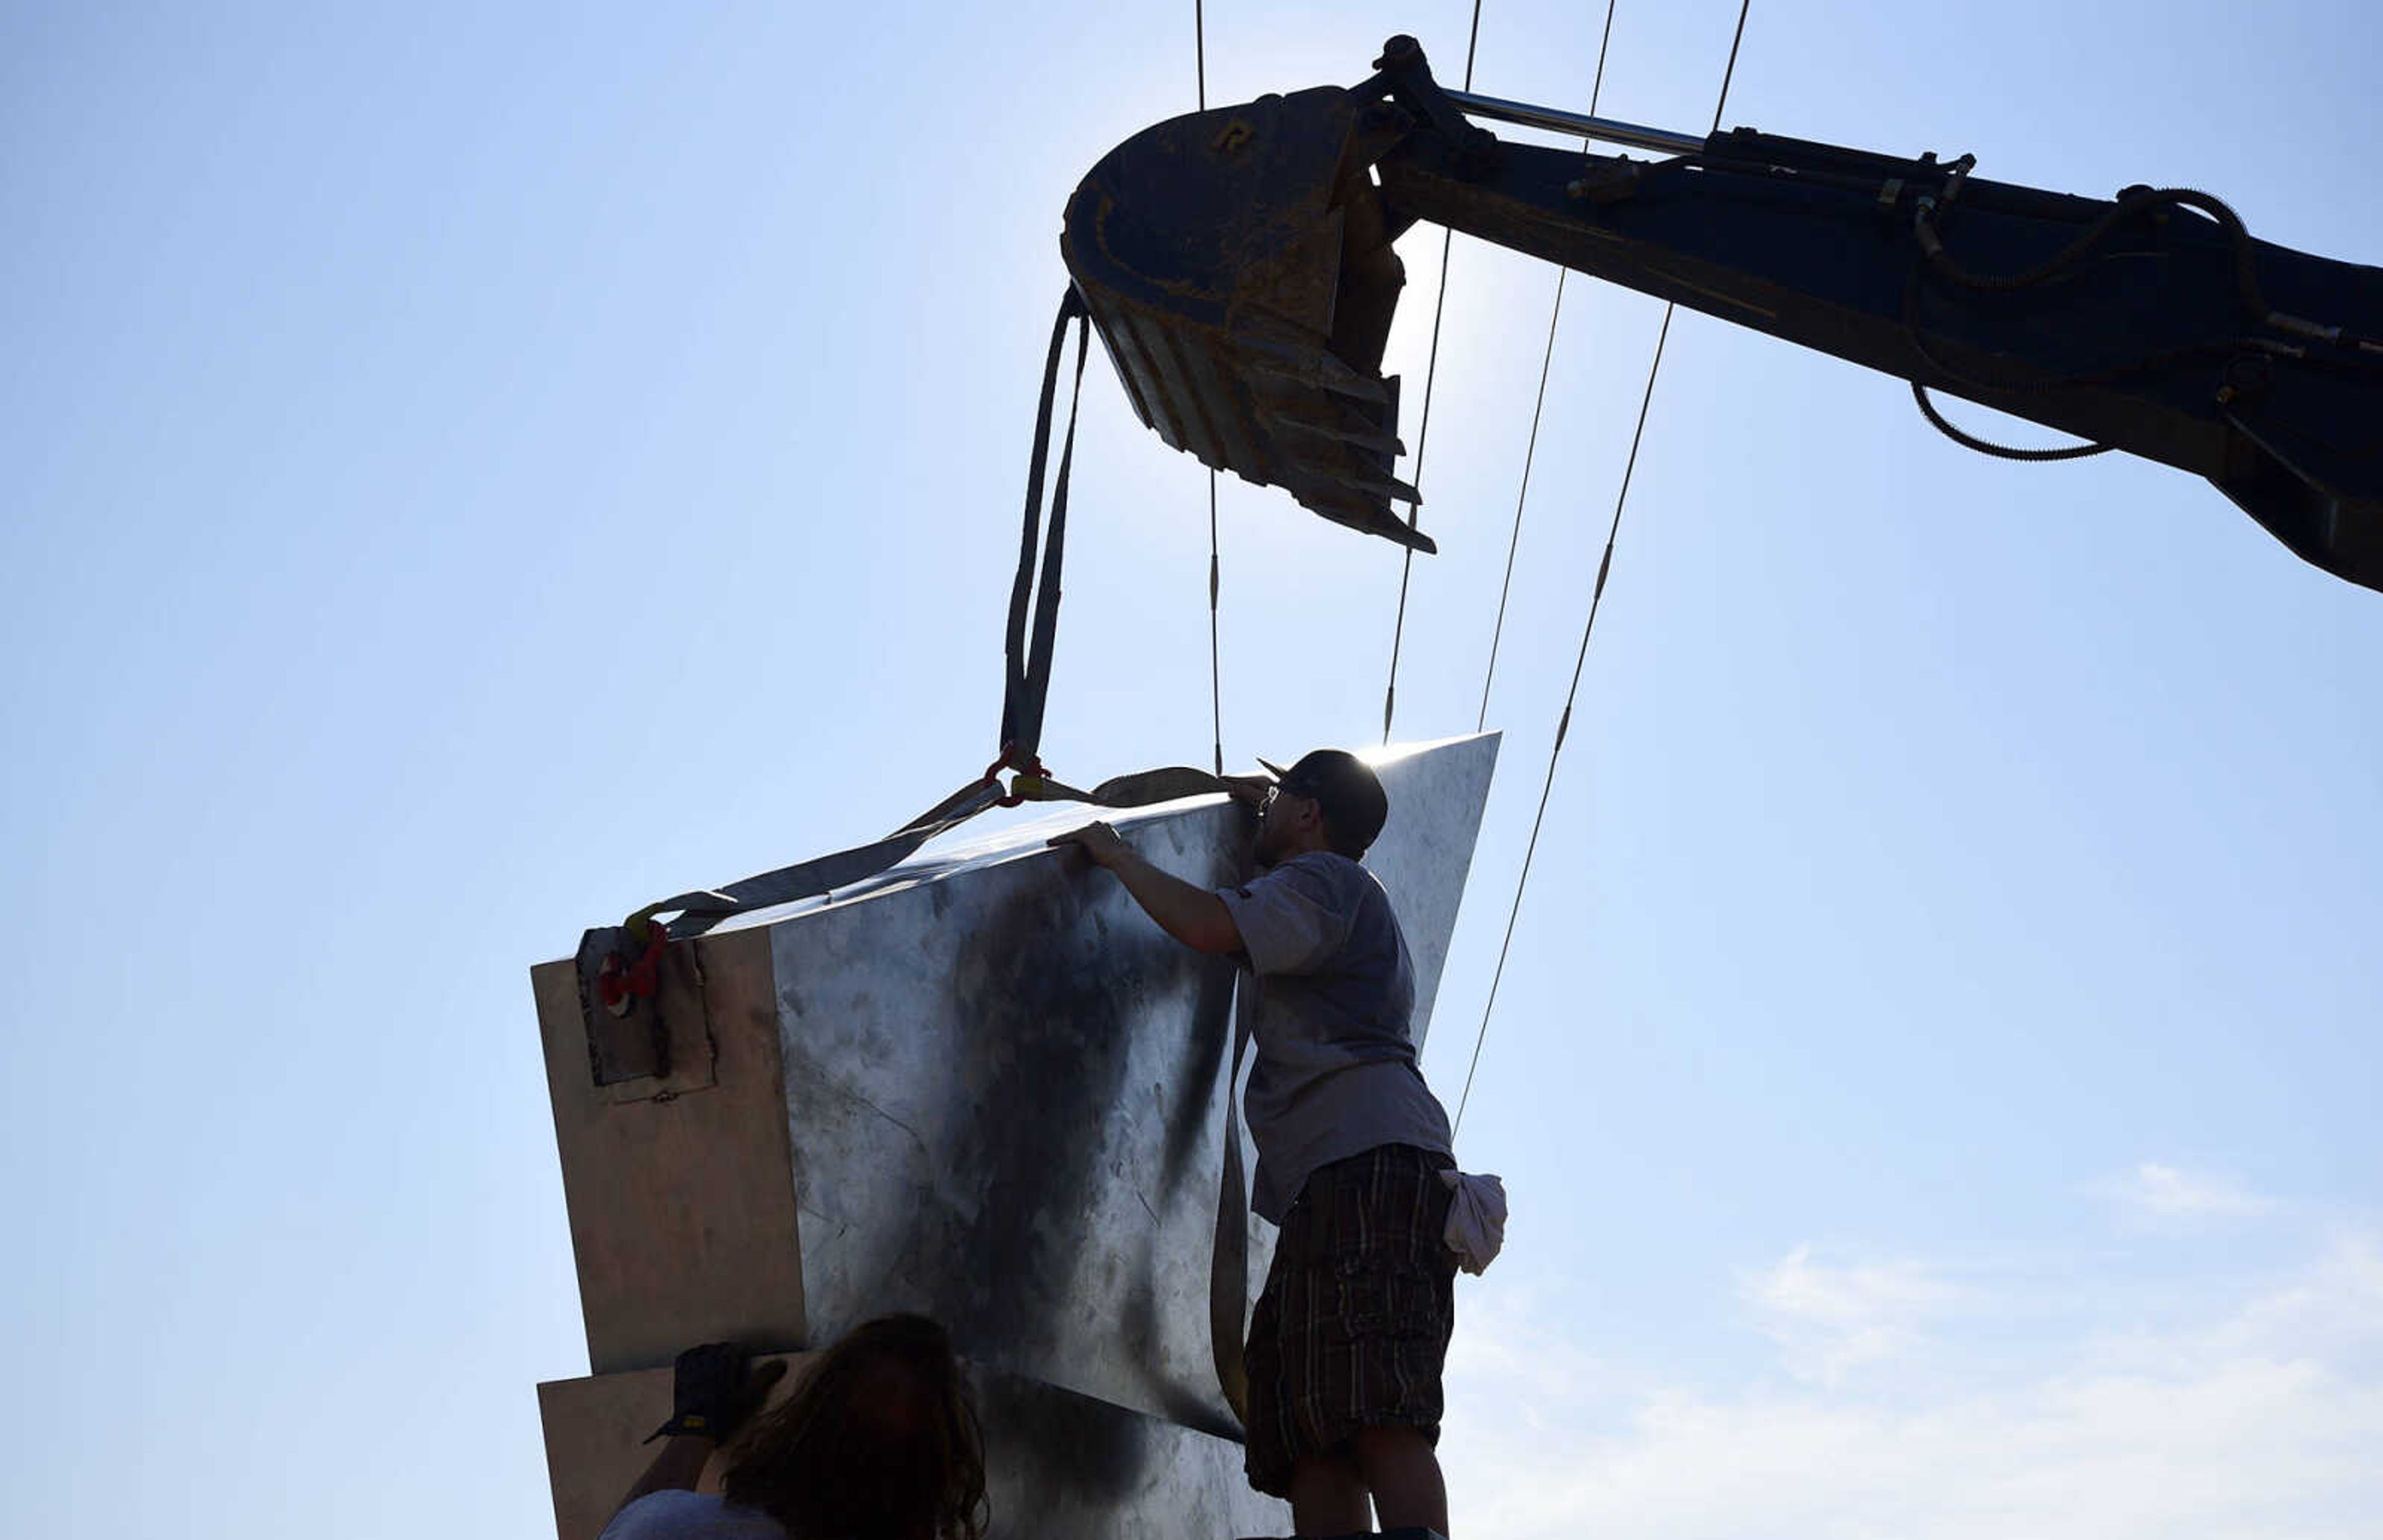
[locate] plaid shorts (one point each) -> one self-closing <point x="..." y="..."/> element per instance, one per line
<point x="1353" y="1327"/>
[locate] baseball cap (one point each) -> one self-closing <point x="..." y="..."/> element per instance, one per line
<point x="1354" y="805"/>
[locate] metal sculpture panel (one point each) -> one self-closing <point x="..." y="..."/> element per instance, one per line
<point x="1004" y="1087"/>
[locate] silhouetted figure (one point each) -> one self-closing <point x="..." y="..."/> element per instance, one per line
<point x="1350" y="1336"/>
<point x="879" y="1441"/>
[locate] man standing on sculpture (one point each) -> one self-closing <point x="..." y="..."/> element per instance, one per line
<point x="1350" y="1334"/>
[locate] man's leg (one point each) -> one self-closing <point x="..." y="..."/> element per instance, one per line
<point x="1398" y="1464"/>
<point x="1328" y="1496"/>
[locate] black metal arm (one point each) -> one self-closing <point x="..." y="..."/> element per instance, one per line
<point x="2151" y="323"/>
<point x="1238" y="264"/>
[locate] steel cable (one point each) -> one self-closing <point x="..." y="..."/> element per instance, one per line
<point x="1531" y="448"/>
<point x="1595" y="599"/>
<point x="1215" y="667"/>
<point x="1423" y="430"/>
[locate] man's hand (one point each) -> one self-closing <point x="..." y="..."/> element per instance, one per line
<point x="1098" y="841"/>
<point x="1250" y="791"/>
<point x="1193" y="915"/>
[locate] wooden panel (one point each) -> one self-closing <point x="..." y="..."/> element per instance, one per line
<point x="595" y="1440"/>
<point x="681" y="1205"/>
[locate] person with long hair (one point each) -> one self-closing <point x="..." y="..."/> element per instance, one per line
<point x="879" y="1441"/>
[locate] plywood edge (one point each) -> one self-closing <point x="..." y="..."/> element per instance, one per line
<point x="684" y="1226"/>
<point x="595" y="1430"/>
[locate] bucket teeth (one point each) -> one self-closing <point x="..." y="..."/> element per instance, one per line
<point x="1374" y="518"/>
<point x="1316" y="368"/>
<point x="1219" y="282"/>
<point x="1387" y="488"/>
<point x="1372" y="441"/>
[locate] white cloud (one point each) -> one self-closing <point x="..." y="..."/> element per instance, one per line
<point x="2261" y="1418"/>
<point x="2160" y="1191"/>
<point x="1831" y="1320"/>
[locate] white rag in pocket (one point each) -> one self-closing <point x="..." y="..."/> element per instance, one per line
<point x="1477" y="1219"/>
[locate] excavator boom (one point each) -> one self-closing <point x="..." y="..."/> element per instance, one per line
<point x="1239" y="266"/>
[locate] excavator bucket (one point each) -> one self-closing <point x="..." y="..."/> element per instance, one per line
<point x="1238" y="269"/>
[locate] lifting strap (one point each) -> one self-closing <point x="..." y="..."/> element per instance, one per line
<point x="699" y="910"/>
<point x="1229" y="1256"/>
<point x="1026" y="685"/>
<point x="607" y="953"/>
<point x="1028" y="679"/>
<point x="1138" y="790"/>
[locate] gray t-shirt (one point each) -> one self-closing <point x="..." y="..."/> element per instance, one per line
<point x="672" y="1514"/>
<point x="1330" y="1000"/>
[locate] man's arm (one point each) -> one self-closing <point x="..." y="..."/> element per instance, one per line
<point x="1190" y="914"/>
<point x="678" y="1467"/>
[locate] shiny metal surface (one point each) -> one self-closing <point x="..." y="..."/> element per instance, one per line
<point x="1060" y="1466"/>
<point x="1605" y="131"/>
<point x="1003" y="1087"/>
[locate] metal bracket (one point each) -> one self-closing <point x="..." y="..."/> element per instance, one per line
<point x="648" y="1046"/>
<point x="1407" y="75"/>
<point x="1606" y="179"/>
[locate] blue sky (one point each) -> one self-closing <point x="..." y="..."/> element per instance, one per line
<point x="471" y="472"/>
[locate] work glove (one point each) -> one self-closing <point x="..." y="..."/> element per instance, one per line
<point x="712" y="1394"/>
